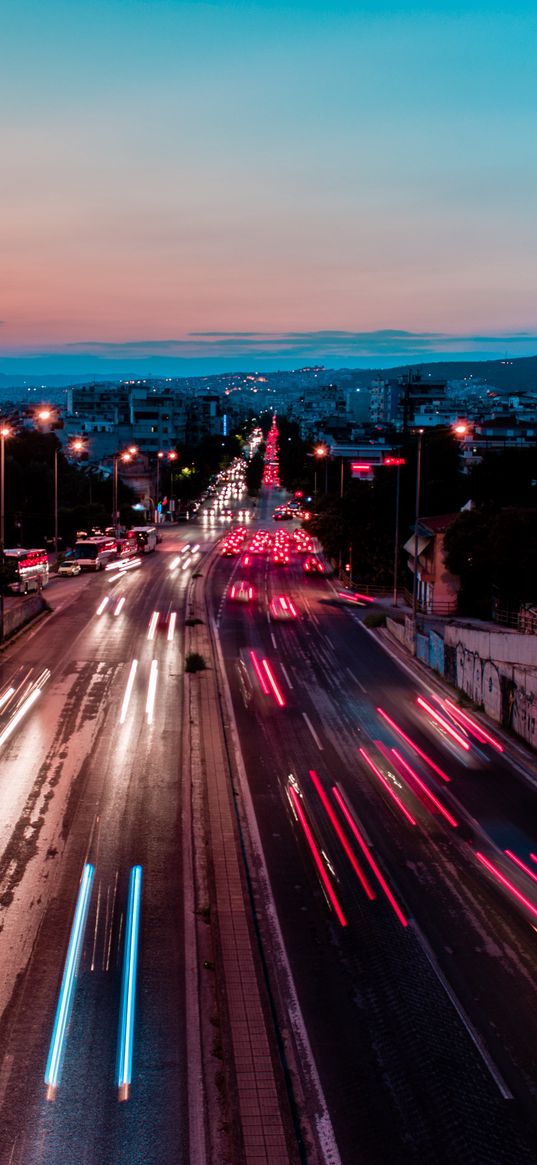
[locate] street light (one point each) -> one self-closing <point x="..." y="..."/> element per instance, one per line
<point x="397" y="462"/>
<point x="5" y="431"/>
<point x="126" y="456"/>
<point x="416" y="521"/>
<point x="171" y="456"/>
<point x="320" y="453"/>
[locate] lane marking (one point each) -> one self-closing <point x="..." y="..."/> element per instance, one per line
<point x="356" y="680"/>
<point x="313" y="732"/>
<point x="171" y="625"/>
<point x="151" y="691"/>
<point x="464" y="1018"/>
<point x="273" y="637"/>
<point x="287" y="680"/>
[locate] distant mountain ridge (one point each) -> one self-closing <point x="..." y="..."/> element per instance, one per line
<point x="508" y="375"/>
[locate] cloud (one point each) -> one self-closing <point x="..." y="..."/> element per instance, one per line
<point x="209" y="352"/>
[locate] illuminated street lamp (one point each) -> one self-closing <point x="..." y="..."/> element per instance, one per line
<point x="321" y="453"/>
<point x="5" y="431"/>
<point x="416" y="526"/>
<point x="126" y="456"/>
<point x="396" y="462"/>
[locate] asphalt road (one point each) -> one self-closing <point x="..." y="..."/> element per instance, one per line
<point x="424" y="1034"/>
<point x="89" y="778"/>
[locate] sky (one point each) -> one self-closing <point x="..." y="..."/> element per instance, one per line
<point x="188" y="186"/>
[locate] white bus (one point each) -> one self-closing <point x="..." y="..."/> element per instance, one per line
<point x="95" y="553"/>
<point x="25" y="570"/>
<point x="146" y="538"/>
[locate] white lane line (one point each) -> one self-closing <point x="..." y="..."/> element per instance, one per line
<point x="273" y="637"/>
<point x="464" y="1018"/>
<point x="171" y="625"/>
<point x="288" y="681"/>
<point x="313" y="732"/>
<point x="356" y="680"/>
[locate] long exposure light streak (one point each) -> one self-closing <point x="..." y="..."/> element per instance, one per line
<point x="171" y="625"/>
<point x="521" y="864"/>
<point x="425" y="789"/>
<point x="456" y="736"/>
<point x="505" y="882"/>
<point x="128" y="985"/>
<point x="478" y="731"/>
<point x="368" y="855"/>
<point x="151" y="691"/>
<point x="257" y="668"/>
<point x="406" y="813"/>
<point x="66" y="996"/>
<point x="440" y="772"/>
<point x="19" y="714"/>
<point x="337" y="827"/>
<point x="7" y="696"/>
<point x="272" y="681"/>
<point x="128" y="692"/>
<point x="317" y="857"/>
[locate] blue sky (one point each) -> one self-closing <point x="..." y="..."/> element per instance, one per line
<point x="171" y="169"/>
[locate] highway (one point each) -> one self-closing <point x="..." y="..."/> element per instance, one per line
<point x="414" y="971"/>
<point x="90" y="789"/>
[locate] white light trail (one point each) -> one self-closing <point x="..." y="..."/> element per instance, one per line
<point x="153" y="625"/>
<point x="151" y="691"/>
<point x="7" y="696"/>
<point x="128" y="692"/>
<point x="171" y="625"/>
<point x="102" y="605"/>
<point x="120" y="605"/>
<point x="24" y="708"/>
<point x="175" y="562"/>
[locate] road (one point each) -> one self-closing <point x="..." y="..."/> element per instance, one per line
<point x="414" y="976"/>
<point x="424" y="1034"/>
<point x="90" y="780"/>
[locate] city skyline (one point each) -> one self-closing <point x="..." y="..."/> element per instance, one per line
<point x="254" y="182"/>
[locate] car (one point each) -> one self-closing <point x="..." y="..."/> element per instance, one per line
<point x="242" y="592"/>
<point x="69" y="566"/>
<point x="281" y="607"/>
<point x="313" y="565"/>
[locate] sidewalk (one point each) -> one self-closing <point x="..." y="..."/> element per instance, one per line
<point x="261" y="1132"/>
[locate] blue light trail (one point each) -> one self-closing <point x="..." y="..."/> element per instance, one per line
<point x="128" y="985"/>
<point x="67" y="989"/>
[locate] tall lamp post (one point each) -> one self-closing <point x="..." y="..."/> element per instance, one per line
<point x="126" y="456"/>
<point x="416" y="535"/>
<point x="5" y="431"/>
<point x="46" y="416"/>
<point x="321" y="454"/>
<point x="397" y="462"/>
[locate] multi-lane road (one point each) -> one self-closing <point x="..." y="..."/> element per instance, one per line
<point x="90" y="791"/>
<point x="401" y="954"/>
<point x="409" y="930"/>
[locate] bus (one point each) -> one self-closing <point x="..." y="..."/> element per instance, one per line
<point x="25" y="570"/>
<point x="146" y="538"/>
<point x="94" y="553"/>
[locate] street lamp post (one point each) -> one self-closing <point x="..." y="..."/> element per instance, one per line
<point x="416" y="536"/>
<point x="4" y="432"/>
<point x="126" y="456"/>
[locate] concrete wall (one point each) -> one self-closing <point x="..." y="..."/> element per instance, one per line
<point x="17" y="612"/>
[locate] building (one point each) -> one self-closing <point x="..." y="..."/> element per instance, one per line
<point x="437" y="588"/>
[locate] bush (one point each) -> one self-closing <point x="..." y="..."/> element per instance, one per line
<point x="375" y="619"/>
<point x="195" y="662"/>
